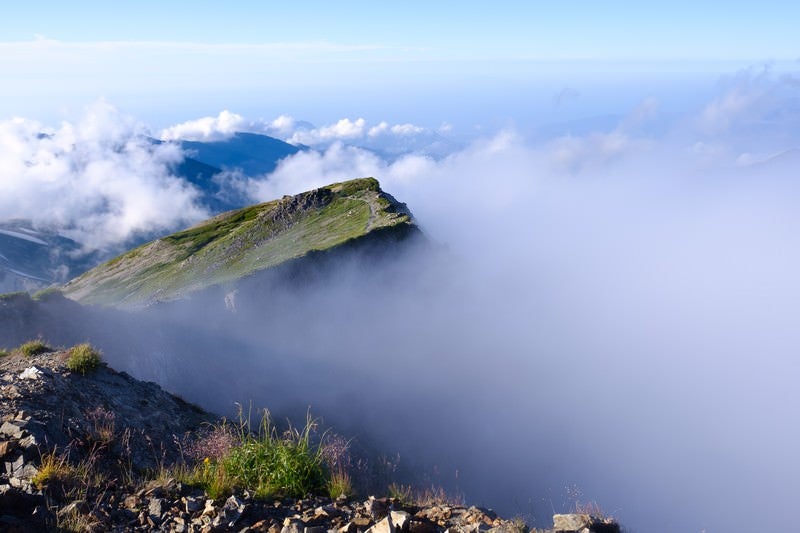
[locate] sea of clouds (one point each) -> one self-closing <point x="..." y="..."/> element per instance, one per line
<point x="617" y="313"/>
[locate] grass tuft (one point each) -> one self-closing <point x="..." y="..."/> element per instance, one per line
<point x="33" y="347"/>
<point x="427" y="497"/>
<point x="270" y="463"/>
<point x="83" y="358"/>
<point x="340" y="485"/>
<point x="267" y="463"/>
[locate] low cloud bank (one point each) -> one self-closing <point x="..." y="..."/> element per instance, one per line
<point x="616" y="314"/>
<point x="381" y="136"/>
<point x="99" y="181"/>
<point x="615" y="311"/>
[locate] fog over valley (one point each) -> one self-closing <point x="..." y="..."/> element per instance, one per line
<point x="602" y="310"/>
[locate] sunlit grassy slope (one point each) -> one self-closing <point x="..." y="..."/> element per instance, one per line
<point x="238" y="243"/>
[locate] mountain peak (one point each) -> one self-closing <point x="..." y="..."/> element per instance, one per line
<point x="237" y="244"/>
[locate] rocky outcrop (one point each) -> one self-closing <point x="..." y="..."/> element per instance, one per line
<point x="41" y="399"/>
<point x="581" y="523"/>
<point x="50" y="416"/>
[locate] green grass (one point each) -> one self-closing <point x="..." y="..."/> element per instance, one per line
<point x="47" y="294"/>
<point x="340" y="485"/>
<point x="13" y="295"/>
<point x="33" y="347"/>
<point x="268" y="463"/>
<point x="4" y="352"/>
<point x="83" y="358"/>
<point x="236" y="244"/>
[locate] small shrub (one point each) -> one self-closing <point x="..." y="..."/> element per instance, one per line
<point x="76" y="522"/>
<point x="34" y="347"/>
<point x="335" y="451"/>
<point x="210" y="475"/>
<point x="4" y="352"/>
<point x="402" y="493"/>
<point x="340" y="485"/>
<point x="428" y="497"/>
<point x="102" y="425"/>
<point x="83" y="359"/>
<point x="53" y="468"/>
<point x="270" y="463"/>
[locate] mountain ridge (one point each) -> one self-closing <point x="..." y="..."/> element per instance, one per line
<point x="234" y="245"/>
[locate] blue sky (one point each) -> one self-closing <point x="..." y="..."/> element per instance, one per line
<point x="418" y="61"/>
<point x="570" y="29"/>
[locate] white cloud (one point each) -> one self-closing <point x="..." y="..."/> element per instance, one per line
<point x="614" y="261"/>
<point x="750" y="97"/>
<point x="284" y="125"/>
<point x="218" y="128"/>
<point x="397" y="129"/>
<point x="381" y="128"/>
<point x="100" y="180"/>
<point x="344" y="129"/>
<point x="719" y="115"/>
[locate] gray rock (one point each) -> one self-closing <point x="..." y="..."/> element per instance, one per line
<point x="292" y="525"/>
<point x="131" y="502"/>
<point x="31" y="373"/>
<point x="210" y="510"/>
<point x="14" y="468"/>
<point x="583" y="523"/>
<point x="193" y="504"/>
<point x="156" y="508"/>
<point x="230" y="512"/>
<point x="15" y="430"/>
<point x="571" y="522"/>
<point x="395" y="522"/>
<point x="28" y="441"/>
<point x="6" y="447"/>
<point x="377" y="508"/>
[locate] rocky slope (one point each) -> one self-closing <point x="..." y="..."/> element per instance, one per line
<point x="107" y="429"/>
<point x="235" y="245"/>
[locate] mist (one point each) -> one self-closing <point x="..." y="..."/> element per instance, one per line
<point x="605" y="317"/>
<point x="99" y="180"/>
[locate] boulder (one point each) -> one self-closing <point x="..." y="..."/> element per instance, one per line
<point x="583" y="523"/>
<point x="395" y="522"/>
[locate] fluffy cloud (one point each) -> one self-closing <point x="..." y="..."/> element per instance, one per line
<point x="218" y="128"/>
<point x="397" y="129"/>
<point x="100" y="180"/>
<point x="344" y="129"/>
<point x="754" y="101"/>
<point x="287" y="128"/>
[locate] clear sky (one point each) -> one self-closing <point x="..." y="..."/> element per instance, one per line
<point x="425" y="62"/>
<point x="554" y="30"/>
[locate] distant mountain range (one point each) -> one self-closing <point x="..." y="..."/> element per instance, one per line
<point x="32" y="258"/>
<point x="251" y="153"/>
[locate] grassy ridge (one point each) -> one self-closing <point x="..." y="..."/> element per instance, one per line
<point x="235" y="244"/>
